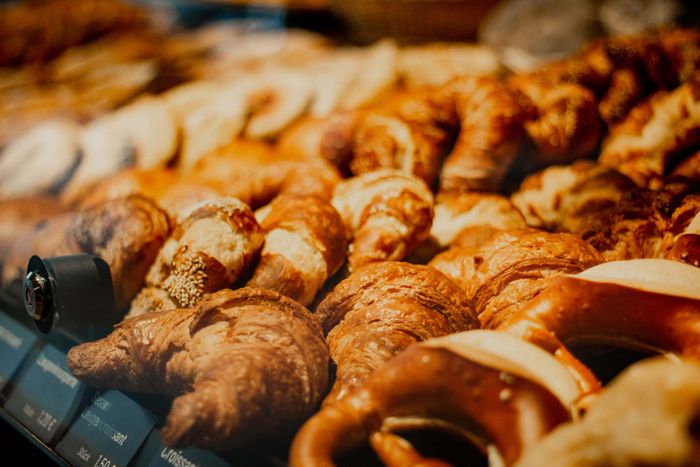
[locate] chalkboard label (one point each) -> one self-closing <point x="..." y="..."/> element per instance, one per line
<point x="46" y="395"/>
<point x="156" y="454"/>
<point x="108" y="432"/>
<point x="15" y="343"/>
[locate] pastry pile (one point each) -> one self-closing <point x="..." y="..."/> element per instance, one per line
<point x="340" y="250"/>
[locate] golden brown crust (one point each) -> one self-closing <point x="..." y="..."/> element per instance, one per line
<point x="391" y="281"/>
<point x="387" y="213"/>
<point x="560" y="198"/>
<point x="127" y="233"/>
<point x="514" y="266"/>
<point x="208" y="251"/>
<point x="457" y="263"/>
<point x="561" y="120"/>
<point x="431" y="387"/>
<point x="255" y="174"/>
<point x="305" y="244"/>
<point x="234" y="360"/>
<point x="655" y="133"/>
<point x="574" y="308"/>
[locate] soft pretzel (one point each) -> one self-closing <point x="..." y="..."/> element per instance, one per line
<point x="380" y="310"/>
<point x="246" y="366"/>
<point x="207" y="251"/>
<point x="650" y="304"/>
<point x="647" y="416"/>
<point x="387" y="214"/>
<point x="127" y="233"/>
<point x="305" y="244"/>
<point x="485" y="386"/>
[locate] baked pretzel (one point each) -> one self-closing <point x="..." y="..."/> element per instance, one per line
<point x="647" y="304"/>
<point x="482" y="385"/>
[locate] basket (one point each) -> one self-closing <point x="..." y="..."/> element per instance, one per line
<point x="411" y="21"/>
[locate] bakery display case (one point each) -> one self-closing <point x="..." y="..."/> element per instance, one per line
<point x="318" y="232"/>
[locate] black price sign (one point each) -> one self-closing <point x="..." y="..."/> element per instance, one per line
<point x="46" y="395"/>
<point x="108" y="433"/>
<point x="155" y="454"/>
<point x="15" y="343"/>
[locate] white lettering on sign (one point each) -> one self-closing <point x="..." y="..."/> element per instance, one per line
<point x="102" y="403"/>
<point x="175" y="458"/>
<point x="28" y="410"/>
<point x="117" y="436"/>
<point x="59" y="373"/>
<point x="46" y="420"/>
<point x="9" y="338"/>
<point x="102" y="461"/>
<point x="84" y="454"/>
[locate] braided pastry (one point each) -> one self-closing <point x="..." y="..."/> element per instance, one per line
<point x="246" y="366"/>
<point x="207" y="251"/>
<point x="487" y="387"/>
<point x="387" y="213"/>
<point x="127" y="233"/>
<point x="305" y="244"/>
<point x="647" y="304"/>
<point x="380" y="310"/>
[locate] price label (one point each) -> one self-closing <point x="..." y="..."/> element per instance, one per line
<point x="108" y="432"/>
<point x="156" y="454"/>
<point x="15" y="343"/>
<point x="46" y="395"/>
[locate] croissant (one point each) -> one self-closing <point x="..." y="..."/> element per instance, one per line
<point x="642" y="418"/>
<point x="246" y="366"/>
<point x="207" y="251"/>
<point x="174" y="193"/>
<point x="489" y="120"/>
<point x="468" y="217"/>
<point x="514" y="266"/>
<point x="561" y="120"/>
<point x="305" y="244"/>
<point x="127" y="233"/>
<point x="642" y="223"/>
<point x="482" y="386"/>
<point x="255" y="174"/>
<point x="655" y="133"/>
<point x="560" y="198"/>
<point x="387" y="213"/>
<point x="380" y="310"/>
<point x="647" y="304"/>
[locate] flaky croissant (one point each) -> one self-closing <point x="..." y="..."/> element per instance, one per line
<point x="380" y="310"/>
<point x="207" y="251"/>
<point x="655" y="134"/>
<point x="305" y="244"/>
<point x="387" y="213"/>
<point x="127" y="233"/>
<point x="246" y="366"/>
<point x="255" y="174"/>
<point x="514" y="266"/>
<point x="560" y="198"/>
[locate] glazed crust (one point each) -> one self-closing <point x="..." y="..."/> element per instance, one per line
<point x="208" y="251"/>
<point x="387" y="214"/>
<point x="232" y="361"/>
<point x="305" y="244"/>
